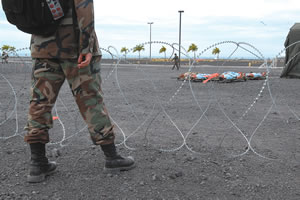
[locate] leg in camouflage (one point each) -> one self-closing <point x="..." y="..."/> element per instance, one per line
<point x="47" y="78"/>
<point x="86" y="87"/>
<point x="85" y="84"/>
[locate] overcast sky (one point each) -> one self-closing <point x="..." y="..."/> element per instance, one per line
<point x="262" y="23"/>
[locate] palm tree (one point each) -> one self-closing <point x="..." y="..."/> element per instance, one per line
<point x="125" y="51"/>
<point x="193" y="48"/>
<point x="216" y="51"/>
<point x="139" y="48"/>
<point x="163" y="50"/>
<point x="7" y="48"/>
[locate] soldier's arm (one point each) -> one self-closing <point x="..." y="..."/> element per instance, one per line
<point x="85" y="17"/>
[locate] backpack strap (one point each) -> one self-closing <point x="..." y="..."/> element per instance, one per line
<point x="55" y="8"/>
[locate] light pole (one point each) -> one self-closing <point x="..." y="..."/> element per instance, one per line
<point x="180" y="11"/>
<point x="150" y="23"/>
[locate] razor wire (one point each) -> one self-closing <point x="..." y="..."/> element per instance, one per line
<point x="243" y="115"/>
<point x="233" y="124"/>
<point x="15" y="93"/>
<point x="170" y="100"/>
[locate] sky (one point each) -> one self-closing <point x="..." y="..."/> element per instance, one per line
<point x="264" y="24"/>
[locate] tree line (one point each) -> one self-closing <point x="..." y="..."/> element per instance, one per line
<point x="192" y="48"/>
<point x="138" y="48"/>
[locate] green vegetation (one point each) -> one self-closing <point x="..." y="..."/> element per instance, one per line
<point x="139" y="48"/>
<point x="216" y="51"/>
<point x="8" y="49"/>
<point x="125" y="51"/>
<point x="163" y="49"/>
<point x="193" y="48"/>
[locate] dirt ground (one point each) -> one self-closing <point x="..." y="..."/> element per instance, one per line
<point x="190" y="140"/>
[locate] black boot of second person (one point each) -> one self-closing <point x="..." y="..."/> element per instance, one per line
<point x="114" y="162"/>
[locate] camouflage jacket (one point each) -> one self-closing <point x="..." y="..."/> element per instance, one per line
<point x="72" y="37"/>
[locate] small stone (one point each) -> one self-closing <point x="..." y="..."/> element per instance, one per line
<point x="228" y="175"/>
<point x="190" y="158"/>
<point x="9" y="152"/>
<point x="172" y="176"/>
<point x="179" y="174"/>
<point x="55" y="153"/>
<point x="142" y="183"/>
<point x="154" y="177"/>
<point x="152" y="159"/>
<point x="204" y="178"/>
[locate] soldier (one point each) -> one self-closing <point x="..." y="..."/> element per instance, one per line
<point x="4" y="57"/>
<point x="71" y="53"/>
<point x="176" y="62"/>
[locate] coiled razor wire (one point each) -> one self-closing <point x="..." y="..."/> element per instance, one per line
<point x="287" y="63"/>
<point x="249" y="108"/>
<point x="15" y="93"/>
<point x="14" y="111"/>
<point x="162" y="109"/>
<point x="184" y="138"/>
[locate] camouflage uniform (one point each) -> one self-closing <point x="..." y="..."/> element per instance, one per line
<point x="54" y="60"/>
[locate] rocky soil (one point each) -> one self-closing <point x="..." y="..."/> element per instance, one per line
<point x="190" y="140"/>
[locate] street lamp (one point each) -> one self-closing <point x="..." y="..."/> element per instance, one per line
<point x="150" y="23"/>
<point x="180" y="11"/>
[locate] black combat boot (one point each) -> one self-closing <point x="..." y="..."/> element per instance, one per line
<point x="40" y="167"/>
<point x="114" y="162"/>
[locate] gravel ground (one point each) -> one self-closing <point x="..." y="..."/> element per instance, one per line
<point x="190" y="140"/>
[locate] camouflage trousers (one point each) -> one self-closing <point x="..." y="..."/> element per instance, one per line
<point x="48" y="75"/>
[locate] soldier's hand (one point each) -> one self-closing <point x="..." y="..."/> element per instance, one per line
<point x="84" y="60"/>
